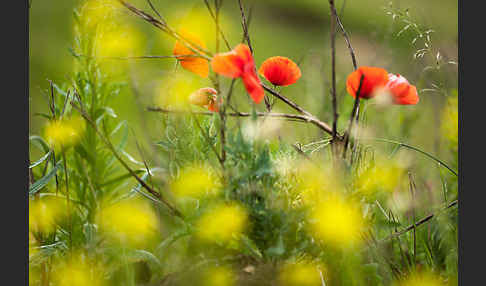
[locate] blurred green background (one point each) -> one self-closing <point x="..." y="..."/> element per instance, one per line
<point x="296" y="29"/>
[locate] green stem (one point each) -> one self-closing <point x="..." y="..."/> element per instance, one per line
<point x="415" y="149"/>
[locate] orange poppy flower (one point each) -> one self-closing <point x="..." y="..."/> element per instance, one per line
<point x="374" y="78"/>
<point x="205" y="97"/>
<point x="239" y="63"/>
<point x="193" y="64"/>
<point x="280" y="71"/>
<point x="401" y="90"/>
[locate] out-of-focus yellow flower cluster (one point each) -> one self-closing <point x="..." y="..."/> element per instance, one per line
<point x="219" y="276"/>
<point x="46" y="213"/>
<point x="385" y="175"/>
<point x="173" y="91"/>
<point x="315" y="183"/>
<point x="63" y="133"/>
<point x="338" y="221"/>
<point x="302" y="273"/>
<point x="131" y="222"/>
<point x="196" y="182"/>
<point x="95" y="12"/>
<point x="77" y="271"/>
<point x="221" y="223"/>
<point x="450" y="121"/>
<point x="425" y="278"/>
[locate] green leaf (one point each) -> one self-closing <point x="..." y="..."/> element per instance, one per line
<point x="40" y="143"/>
<point x="39" y="184"/>
<point x="251" y="246"/>
<point x="42" y="159"/>
<point x="138" y="255"/>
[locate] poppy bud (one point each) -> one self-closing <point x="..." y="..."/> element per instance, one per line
<point x="202" y="96"/>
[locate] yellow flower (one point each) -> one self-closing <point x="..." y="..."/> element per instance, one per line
<point x="421" y="279"/>
<point x="63" y="133"/>
<point x="221" y="223"/>
<point x="77" y="271"/>
<point x="45" y="213"/>
<point x="195" y="182"/>
<point x="173" y="91"/>
<point x="386" y="175"/>
<point x="219" y="276"/>
<point x="301" y="274"/>
<point x="337" y="221"/>
<point x="94" y="12"/>
<point x="450" y="121"/>
<point x="315" y="183"/>
<point x="119" y="42"/>
<point x="131" y="222"/>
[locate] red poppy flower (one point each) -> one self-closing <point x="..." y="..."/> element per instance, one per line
<point x="205" y="97"/>
<point x="193" y="64"/>
<point x="401" y="90"/>
<point x="239" y="63"/>
<point x="374" y="78"/>
<point x="280" y="71"/>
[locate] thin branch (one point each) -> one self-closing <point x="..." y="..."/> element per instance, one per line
<point x="155" y="11"/>
<point x="346" y="37"/>
<point x="245" y="26"/>
<point x="141" y="57"/>
<point x="300" y="118"/>
<point x="333" y="70"/>
<point x="353" y="115"/>
<point x="110" y="146"/>
<point x="197" y="49"/>
<point x="206" y="136"/>
<point x="415" y="149"/>
<point x="217" y="25"/>
<point x="418" y="223"/>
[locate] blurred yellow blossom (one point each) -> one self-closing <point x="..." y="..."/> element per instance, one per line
<point x="302" y="273"/>
<point x="77" y="271"/>
<point x="425" y="278"/>
<point x="218" y="276"/>
<point x="221" y="223"/>
<point x="45" y="213"/>
<point x="450" y="121"/>
<point x="131" y="222"/>
<point x="338" y="221"/>
<point x="94" y="12"/>
<point x="386" y="175"/>
<point x="315" y="183"/>
<point x="32" y="245"/>
<point x="122" y="41"/>
<point x="63" y="133"/>
<point x="173" y="91"/>
<point x="195" y="182"/>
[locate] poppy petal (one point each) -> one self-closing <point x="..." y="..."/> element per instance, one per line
<point x="253" y="87"/>
<point x="401" y="90"/>
<point x="280" y="71"/>
<point x="196" y="65"/>
<point x="227" y="64"/>
<point x="374" y="78"/>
